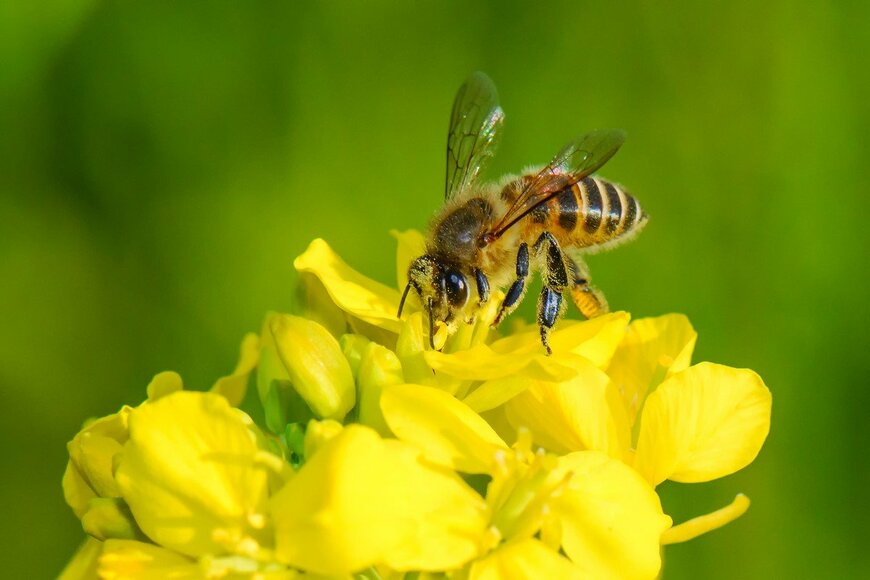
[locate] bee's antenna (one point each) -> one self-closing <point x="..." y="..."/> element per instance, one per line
<point x="431" y="326"/>
<point x="402" y="301"/>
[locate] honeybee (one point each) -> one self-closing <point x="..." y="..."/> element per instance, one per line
<point x="494" y="235"/>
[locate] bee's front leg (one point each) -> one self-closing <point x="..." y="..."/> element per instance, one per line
<point x="518" y="288"/>
<point x="482" y="293"/>
<point x="556" y="280"/>
<point x="482" y="287"/>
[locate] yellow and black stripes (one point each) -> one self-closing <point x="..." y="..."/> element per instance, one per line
<point x="592" y="211"/>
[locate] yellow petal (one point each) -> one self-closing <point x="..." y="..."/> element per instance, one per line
<point x="703" y="423"/>
<point x="700" y="525"/>
<point x="482" y="363"/>
<point x="611" y="519"/>
<point x="83" y="565"/>
<point x="522" y="559"/>
<point x="496" y="392"/>
<point x="163" y="384"/>
<point x="411" y="245"/>
<point x="234" y="386"/>
<point x="316" y="304"/>
<point x="128" y="559"/>
<point x="363" y="501"/>
<point x="573" y="344"/>
<point x="359" y="296"/>
<point x="315" y="365"/>
<point x="583" y="413"/>
<point x="447" y="430"/>
<point x="652" y="350"/>
<point x="380" y="368"/>
<point x="188" y="473"/>
<point x="595" y="340"/>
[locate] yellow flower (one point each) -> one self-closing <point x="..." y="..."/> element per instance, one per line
<point x="384" y="456"/>
<point x="362" y="501"/>
<point x="604" y="516"/>
<point x="626" y="390"/>
<point x="667" y="419"/>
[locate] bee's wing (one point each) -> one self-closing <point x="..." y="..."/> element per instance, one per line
<point x="579" y="158"/>
<point x="475" y="126"/>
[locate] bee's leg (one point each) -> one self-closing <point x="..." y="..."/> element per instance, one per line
<point x="482" y="287"/>
<point x="518" y="288"/>
<point x="557" y="277"/>
<point x="482" y="293"/>
<point x="588" y="299"/>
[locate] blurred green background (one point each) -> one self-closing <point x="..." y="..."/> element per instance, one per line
<point x="162" y="163"/>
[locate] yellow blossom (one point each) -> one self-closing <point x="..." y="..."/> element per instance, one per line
<point x="597" y="391"/>
<point x="609" y="520"/>
<point x="384" y="456"/>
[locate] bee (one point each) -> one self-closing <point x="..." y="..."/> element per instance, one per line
<point x="494" y="235"/>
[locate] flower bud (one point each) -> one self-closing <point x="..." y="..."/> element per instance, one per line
<point x="318" y="433"/>
<point x="305" y="355"/>
<point x="353" y="346"/>
<point x="110" y="518"/>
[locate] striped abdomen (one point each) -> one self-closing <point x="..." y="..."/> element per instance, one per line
<point x="591" y="212"/>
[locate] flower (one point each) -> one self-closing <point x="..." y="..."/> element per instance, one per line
<point x="626" y="389"/>
<point x="380" y="456"/>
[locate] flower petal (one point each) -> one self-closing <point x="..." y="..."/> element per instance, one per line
<point x="583" y="413"/>
<point x="359" y="296"/>
<point x="163" y="384"/>
<point x="188" y="471"/>
<point x="496" y="392"/>
<point x="703" y="423"/>
<point x="700" y="525"/>
<point x="129" y="559"/>
<point x="611" y="518"/>
<point x="411" y="245"/>
<point x="482" y="363"/>
<point x="235" y="385"/>
<point x="595" y="340"/>
<point x="652" y="350"/>
<point x="447" y="430"/>
<point x="83" y="565"/>
<point x="522" y="559"/>
<point x="362" y="500"/>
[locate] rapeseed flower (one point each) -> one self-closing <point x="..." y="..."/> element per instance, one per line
<point x="379" y="456"/>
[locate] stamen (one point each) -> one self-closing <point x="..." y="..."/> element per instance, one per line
<point x="702" y="524"/>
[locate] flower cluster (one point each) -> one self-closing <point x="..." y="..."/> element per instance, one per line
<point x="380" y="457"/>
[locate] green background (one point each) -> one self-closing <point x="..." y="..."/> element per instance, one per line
<point x="162" y="163"/>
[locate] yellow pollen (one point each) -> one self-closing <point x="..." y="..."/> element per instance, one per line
<point x="257" y="521"/>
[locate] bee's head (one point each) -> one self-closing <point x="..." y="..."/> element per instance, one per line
<point x="442" y="287"/>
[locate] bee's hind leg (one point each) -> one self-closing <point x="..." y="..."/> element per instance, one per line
<point x="557" y="276"/>
<point x="518" y="288"/>
<point x="588" y="299"/>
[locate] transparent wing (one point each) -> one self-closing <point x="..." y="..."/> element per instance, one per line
<point x="579" y="158"/>
<point x="475" y="126"/>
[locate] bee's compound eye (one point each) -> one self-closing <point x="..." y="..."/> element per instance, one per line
<point x="457" y="288"/>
